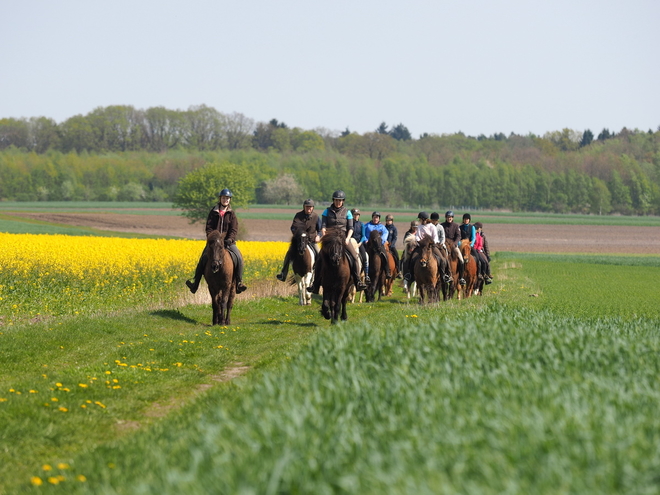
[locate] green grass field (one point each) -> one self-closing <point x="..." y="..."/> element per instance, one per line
<point x="546" y="384"/>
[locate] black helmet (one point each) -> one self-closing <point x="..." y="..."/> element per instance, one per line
<point x="355" y="211"/>
<point x="478" y="225"/>
<point x="423" y="215"/>
<point x="467" y="217"/>
<point x="449" y="214"/>
<point x="435" y="215"/>
<point x="389" y="217"/>
<point x="308" y="202"/>
<point x="225" y="192"/>
<point x="338" y="194"/>
<point x="375" y="214"/>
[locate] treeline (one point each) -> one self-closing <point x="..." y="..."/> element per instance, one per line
<point x="120" y="153"/>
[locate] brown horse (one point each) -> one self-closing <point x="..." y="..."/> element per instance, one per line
<point x="302" y="263"/>
<point x="427" y="271"/>
<point x="470" y="270"/>
<point x="377" y="273"/>
<point x="219" y="275"/>
<point x="335" y="275"/>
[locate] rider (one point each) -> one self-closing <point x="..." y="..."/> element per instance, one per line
<point x="357" y="235"/>
<point x="338" y="216"/>
<point x="427" y="229"/>
<point x="392" y="238"/>
<point x="435" y="218"/>
<point x="223" y="219"/>
<point x="469" y="232"/>
<point x="481" y="246"/>
<point x="376" y="225"/>
<point x="453" y="233"/>
<point x="310" y="223"/>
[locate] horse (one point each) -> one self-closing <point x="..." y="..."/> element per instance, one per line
<point x="427" y="272"/>
<point x="377" y="272"/>
<point x="302" y="263"/>
<point x="470" y="270"/>
<point x="335" y="275"/>
<point x="219" y="276"/>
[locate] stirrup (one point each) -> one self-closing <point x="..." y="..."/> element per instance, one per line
<point x="280" y="276"/>
<point x="240" y="287"/>
<point x="462" y="281"/>
<point x="447" y="278"/>
<point x="367" y="280"/>
<point x="360" y="287"/>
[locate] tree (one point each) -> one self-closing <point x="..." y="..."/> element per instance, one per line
<point x="587" y="138"/>
<point x="197" y="192"/>
<point x="599" y="197"/>
<point x="283" y="189"/>
<point x="604" y="134"/>
<point x="400" y="133"/>
<point x="238" y="130"/>
<point x="382" y="128"/>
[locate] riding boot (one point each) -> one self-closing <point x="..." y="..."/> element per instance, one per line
<point x="386" y="262"/>
<point x="199" y="273"/>
<point x="316" y="284"/>
<point x="240" y="286"/>
<point x="365" y="270"/>
<point x="359" y="285"/>
<point x="461" y="271"/>
<point x="285" y="269"/>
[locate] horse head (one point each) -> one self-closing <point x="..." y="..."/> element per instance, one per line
<point x="465" y="249"/>
<point x="375" y="240"/>
<point x="301" y="241"/>
<point x="215" y="243"/>
<point x="425" y="246"/>
<point x="333" y="244"/>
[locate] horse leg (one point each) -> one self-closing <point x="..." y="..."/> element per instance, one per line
<point x="325" y="307"/>
<point x="216" y="310"/>
<point x="307" y="281"/>
<point x="302" y="289"/>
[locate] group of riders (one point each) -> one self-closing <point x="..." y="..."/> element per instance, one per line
<point x="223" y="219"/>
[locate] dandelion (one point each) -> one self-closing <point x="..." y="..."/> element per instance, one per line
<point x="47" y="467"/>
<point x="36" y="481"/>
<point x="62" y="465"/>
<point x="83" y="385"/>
<point x="62" y="408"/>
<point x="81" y="478"/>
<point x="53" y="480"/>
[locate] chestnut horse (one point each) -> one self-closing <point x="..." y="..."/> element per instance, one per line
<point x="219" y="276"/>
<point x="377" y="273"/>
<point x="427" y="271"/>
<point x="335" y="275"/>
<point x="470" y="270"/>
<point x="302" y="263"/>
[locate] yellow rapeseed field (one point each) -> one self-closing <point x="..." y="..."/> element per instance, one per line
<point x="57" y="274"/>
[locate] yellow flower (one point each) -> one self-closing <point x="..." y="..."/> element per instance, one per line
<point x="34" y="392"/>
<point x="63" y="409"/>
<point x="81" y="478"/>
<point x="83" y="385"/>
<point x="46" y="467"/>
<point x="53" y="480"/>
<point x="36" y="481"/>
<point x="62" y="465"/>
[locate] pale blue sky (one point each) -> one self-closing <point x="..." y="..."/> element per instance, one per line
<point x="436" y="66"/>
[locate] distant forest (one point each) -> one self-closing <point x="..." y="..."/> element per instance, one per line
<point x="120" y="153"/>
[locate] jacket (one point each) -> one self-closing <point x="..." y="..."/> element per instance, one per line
<point x="223" y="223"/>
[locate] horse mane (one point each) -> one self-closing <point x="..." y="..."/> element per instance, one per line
<point x="216" y="235"/>
<point x="425" y="242"/>
<point x="410" y="243"/>
<point x="333" y="236"/>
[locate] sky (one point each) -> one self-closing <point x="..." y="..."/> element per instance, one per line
<point x="435" y="66"/>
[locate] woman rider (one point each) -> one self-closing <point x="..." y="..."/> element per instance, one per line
<point x="338" y="216"/>
<point x="223" y="219"/>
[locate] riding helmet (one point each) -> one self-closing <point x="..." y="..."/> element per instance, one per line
<point x="225" y="192"/>
<point x="478" y="225"/>
<point x="467" y="217"/>
<point x="355" y="211"/>
<point x="338" y="194"/>
<point x="308" y="202"/>
<point x="423" y="215"/>
<point x="449" y="214"/>
<point x="389" y="217"/>
<point x="435" y="215"/>
<point x="375" y="214"/>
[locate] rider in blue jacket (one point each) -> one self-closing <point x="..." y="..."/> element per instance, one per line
<point x="376" y="225"/>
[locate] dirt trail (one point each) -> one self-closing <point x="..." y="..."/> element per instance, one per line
<point x="501" y="237"/>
